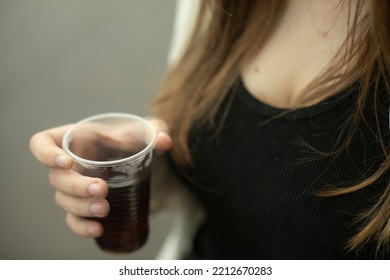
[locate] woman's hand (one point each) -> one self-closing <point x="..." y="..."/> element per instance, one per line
<point x="80" y="196"/>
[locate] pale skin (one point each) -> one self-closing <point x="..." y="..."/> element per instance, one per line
<point x="299" y="50"/>
<point x="80" y="196"/>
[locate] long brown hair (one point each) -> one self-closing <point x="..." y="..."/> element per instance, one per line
<point x="195" y="87"/>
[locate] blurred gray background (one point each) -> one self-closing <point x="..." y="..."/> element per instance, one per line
<point x="61" y="61"/>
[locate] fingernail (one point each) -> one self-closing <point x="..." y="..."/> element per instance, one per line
<point x="94" y="189"/>
<point x="61" y="161"/>
<point x="93" y="230"/>
<point x="96" y="209"/>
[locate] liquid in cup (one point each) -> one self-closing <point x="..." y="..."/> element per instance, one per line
<point x="126" y="227"/>
<point x="127" y="173"/>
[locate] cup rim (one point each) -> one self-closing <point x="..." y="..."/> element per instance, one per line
<point x="108" y="163"/>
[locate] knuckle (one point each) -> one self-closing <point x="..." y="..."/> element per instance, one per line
<point x="32" y="141"/>
<point x="68" y="220"/>
<point x="71" y="222"/>
<point x="58" y="199"/>
<point x="52" y="178"/>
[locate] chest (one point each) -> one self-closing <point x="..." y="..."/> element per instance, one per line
<point x="302" y="47"/>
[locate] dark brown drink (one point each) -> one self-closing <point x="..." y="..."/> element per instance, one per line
<point x="126" y="227"/>
<point x="117" y="148"/>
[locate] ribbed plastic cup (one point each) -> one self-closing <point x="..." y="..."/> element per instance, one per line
<point x="118" y="148"/>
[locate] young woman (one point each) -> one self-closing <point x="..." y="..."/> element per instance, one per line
<point x="278" y="112"/>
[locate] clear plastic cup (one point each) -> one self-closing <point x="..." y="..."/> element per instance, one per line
<point x="118" y="148"/>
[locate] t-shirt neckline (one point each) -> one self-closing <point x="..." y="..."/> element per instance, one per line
<point x="291" y="114"/>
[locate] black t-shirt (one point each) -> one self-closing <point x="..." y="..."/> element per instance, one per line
<point x="257" y="177"/>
